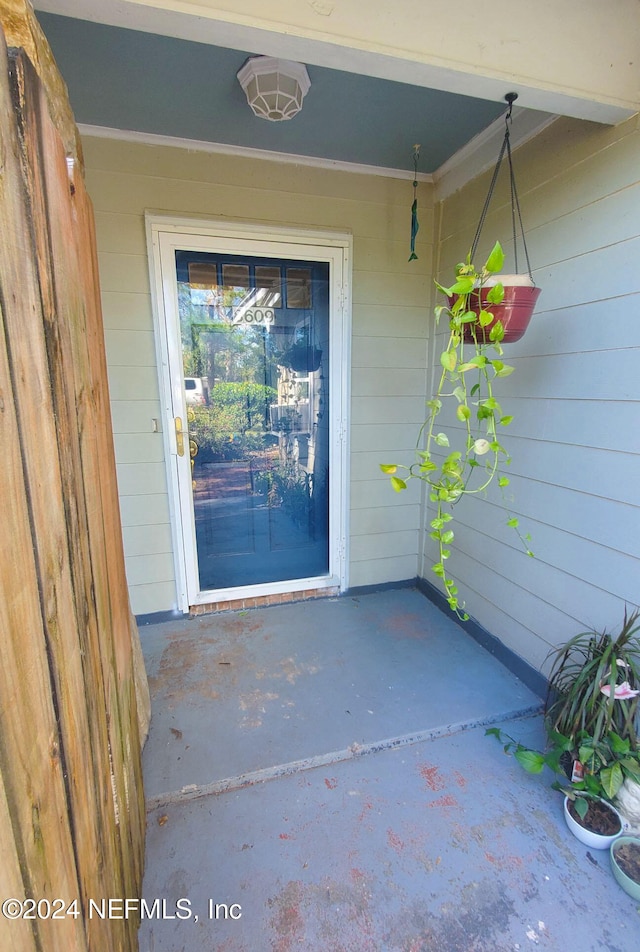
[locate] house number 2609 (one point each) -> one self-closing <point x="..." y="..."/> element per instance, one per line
<point x="255" y="315"/>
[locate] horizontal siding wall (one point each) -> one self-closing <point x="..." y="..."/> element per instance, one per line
<point x="390" y="328"/>
<point x="575" y="395"/>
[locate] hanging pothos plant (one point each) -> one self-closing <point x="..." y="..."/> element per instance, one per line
<point x="465" y="458"/>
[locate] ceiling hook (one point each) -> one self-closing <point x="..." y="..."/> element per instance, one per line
<point x="510" y="98"/>
<point x="416" y="158"/>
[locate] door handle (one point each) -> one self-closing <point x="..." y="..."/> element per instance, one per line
<point x="179" y="436"/>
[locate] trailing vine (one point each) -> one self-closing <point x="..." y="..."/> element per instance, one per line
<point x="469" y="384"/>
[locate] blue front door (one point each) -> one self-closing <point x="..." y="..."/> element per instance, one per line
<point x="255" y="349"/>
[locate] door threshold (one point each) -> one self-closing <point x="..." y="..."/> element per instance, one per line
<point x="260" y="601"/>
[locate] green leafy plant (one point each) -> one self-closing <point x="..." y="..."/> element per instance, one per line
<point x="605" y="763"/>
<point x="591" y="715"/>
<point x="464" y="458"/>
<point x="594" y="684"/>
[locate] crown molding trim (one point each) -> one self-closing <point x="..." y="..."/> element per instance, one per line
<point x="474" y="158"/>
<point x="221" y="148"/>
<point x="481" y="152"/>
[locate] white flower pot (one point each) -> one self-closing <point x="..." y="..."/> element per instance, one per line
<point x="595" y="841"/>
<point x="628" y="805"/>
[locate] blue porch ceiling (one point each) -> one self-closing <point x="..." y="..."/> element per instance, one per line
<point x="142" y="82"/>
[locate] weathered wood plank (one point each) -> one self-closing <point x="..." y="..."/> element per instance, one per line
<point x="19" y="934"/>
<point x="53" y="466"/>
<point x="21" y="29"/>
<point x="30" y="752"/>
<point x="106" y="540"/>
<point x="70" y="741"/>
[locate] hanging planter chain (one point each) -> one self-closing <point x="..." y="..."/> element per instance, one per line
<point x="515" y="203"/>
<point x="414" y="208"/>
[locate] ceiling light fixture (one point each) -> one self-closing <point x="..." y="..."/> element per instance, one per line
<point x="274" y="88"/>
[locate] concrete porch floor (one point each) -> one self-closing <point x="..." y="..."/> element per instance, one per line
<point x="317" y="778"/>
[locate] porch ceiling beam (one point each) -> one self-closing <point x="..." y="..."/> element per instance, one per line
<point x="575" y="57"/>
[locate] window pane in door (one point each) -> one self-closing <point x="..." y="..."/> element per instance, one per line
<point x="298" y="287"/>
<point x="256" y="388"/>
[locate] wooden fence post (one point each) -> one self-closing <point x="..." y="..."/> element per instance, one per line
<point x="71" y="797"/>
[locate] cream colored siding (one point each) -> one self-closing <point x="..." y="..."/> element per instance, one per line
<point x="138" y="447"/>
<point x="143" y="511"/>
<point x="575" y="441"/>
<point x="147" y="540"/>
<point x="131" y="416"/>
<point x="390" y="327"/>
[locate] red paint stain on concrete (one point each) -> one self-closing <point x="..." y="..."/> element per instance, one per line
<point x="460" y="778"/>
<point x="431" y="777"/>
<point x="394" y="841"/>
<point x="406" y="625"/>
<point x="331" y="783"/>
<point x="447" y="801"/>
<point x="288" y="922"/>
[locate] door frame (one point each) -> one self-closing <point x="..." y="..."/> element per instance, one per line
<point x="168" y="232"/>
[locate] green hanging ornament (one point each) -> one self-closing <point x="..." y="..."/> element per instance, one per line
<point x="414" y="208"/>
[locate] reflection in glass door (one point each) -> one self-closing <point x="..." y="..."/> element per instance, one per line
<point x="255" y="353"/>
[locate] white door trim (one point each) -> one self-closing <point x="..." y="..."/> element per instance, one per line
<point x="165" y="233"/>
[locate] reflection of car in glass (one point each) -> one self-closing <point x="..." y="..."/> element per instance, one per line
<point x="197" y="391"/>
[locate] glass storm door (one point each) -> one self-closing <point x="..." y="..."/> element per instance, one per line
<point x="254" y="341"/>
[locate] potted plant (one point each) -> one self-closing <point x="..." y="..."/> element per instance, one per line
<point x="588" y="810"/>
<point x="625" y="864"/>
<point x="603" y="766"/>
<point x="467" y="456"/>
<point x="303" y="359"/>
<point x="599" y="827"/>
<point x="514" y="310"/>
<point x="594" y="683"/>
<point x="519" y="296"/>
<point x="591" y="724"/>
<point x="594" y="691"/>
<point x="302" y="356"/>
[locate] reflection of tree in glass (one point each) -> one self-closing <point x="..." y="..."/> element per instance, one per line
<point x="214" y="347"/>
<point x="238" y="355"/>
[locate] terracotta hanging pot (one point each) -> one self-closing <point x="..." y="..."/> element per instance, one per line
<point x="515" y="311"/>
<point x="520" y="293"/>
